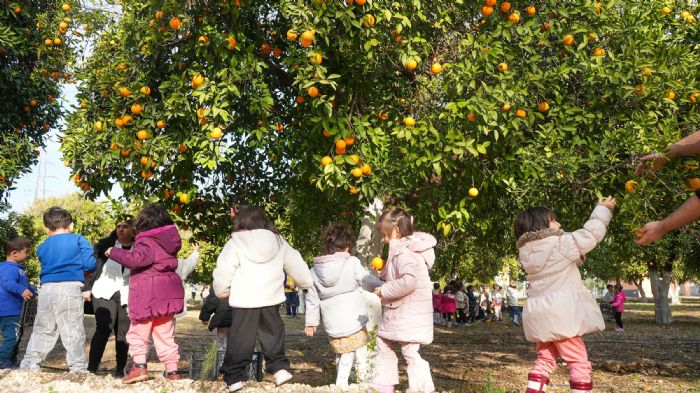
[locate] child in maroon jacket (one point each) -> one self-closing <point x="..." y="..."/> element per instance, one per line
<point x="156" y="293"/>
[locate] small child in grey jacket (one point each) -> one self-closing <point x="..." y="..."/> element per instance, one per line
<point x="335" y="298"/>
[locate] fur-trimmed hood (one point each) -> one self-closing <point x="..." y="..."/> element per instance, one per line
<point x="537" y="235"/>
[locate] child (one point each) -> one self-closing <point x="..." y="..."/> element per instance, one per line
<point x="250" y="273"/>
<point x="618" y="305"/>
<point x="473" y="306"/>
<point x="406" y="300"/>
<point x="217" y="314"/>
<point x="486" y="303"/>
<point x="497" y="302"/>
<point x="559" y="309"/>
<point x="437" y="304"/>
<point x="512" y="298"/>
<point x="156" y="292"/>
<point x="185" y="267"/>
<point x="461" y="303"/>
<point x="64" y="258"/>
<point x="449" y="305"/>
<point x="605" y="308"/>
<point x="334" y="299"/>
<point x="14" y="289"/>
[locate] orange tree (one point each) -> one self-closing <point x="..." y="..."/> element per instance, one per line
<point x="37" y="46"/>
<point x="461" y="111"/>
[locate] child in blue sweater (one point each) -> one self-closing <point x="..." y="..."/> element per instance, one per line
<point x="14" y="289"/>
<point x="64" y="258"/>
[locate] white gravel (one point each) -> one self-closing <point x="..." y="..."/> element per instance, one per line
<point x="20" y="381"/>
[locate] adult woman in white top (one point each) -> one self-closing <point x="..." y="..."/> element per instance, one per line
<point x="109" y="291"/>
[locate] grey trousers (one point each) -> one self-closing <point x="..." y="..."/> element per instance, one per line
<point x="59" y="313"/>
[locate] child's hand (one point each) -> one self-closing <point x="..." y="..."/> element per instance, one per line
<point x="27" y="294"/>
<point x="310" y="330"/>
<point x="195" y="247"/>
<point x="608" y="202"/>
<point x="109" y="251"/>
<point x="87" y="296"/>
<point x="378" y="291"/>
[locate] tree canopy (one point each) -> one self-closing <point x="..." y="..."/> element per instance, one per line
<point x="466" y="113"/>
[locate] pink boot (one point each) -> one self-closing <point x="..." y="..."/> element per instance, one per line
<point x="536" y="383"/>
<point x="581" y="387"/>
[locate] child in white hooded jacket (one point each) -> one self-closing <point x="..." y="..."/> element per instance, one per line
<point x="335" y="298"/>
<point x="250" y="274"/>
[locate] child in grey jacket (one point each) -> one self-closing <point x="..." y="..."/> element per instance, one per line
<point x="335" y="298"/>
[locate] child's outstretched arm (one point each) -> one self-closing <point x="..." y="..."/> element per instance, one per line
<point x="226" y="265"/>
<point x="575" y="244"/>
<point x="140" y="256"/>
<point x="296" y="268"/>
<point x="313" y="311"/>
<point x="407" y="280"/>
<point x="88" y="255"/>
<point x="368" y="281"/>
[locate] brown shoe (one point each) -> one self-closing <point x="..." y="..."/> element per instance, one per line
<point x="138" y="373"/>
<point x="173" y="376"/>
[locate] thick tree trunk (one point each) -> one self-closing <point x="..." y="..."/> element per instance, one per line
<point x="640" y="288"/>
<point x="660" y="282"/>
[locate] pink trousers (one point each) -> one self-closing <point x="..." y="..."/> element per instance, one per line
<point x="163" y="331"/>
<point x="387" y="368"/>
<point x="572" y="350"/>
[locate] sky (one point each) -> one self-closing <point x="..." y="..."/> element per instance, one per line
<point x="49" y="177"/>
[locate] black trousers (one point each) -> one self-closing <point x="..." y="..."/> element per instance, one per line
<point x="461" y="316"/>
<point x="249" y="324"/>
<point x="618" y="318"/>
<point x="110" y="317"/>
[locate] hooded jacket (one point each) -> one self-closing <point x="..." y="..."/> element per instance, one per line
<point x="334" y="296"/>
<point x="155" y="289"/>
<point x="216" y="311"/>
<point x="558" y="305"/>
<point x="619" y="302"/>
<point x="250" y="269"/>
<point x="407" y="295"/>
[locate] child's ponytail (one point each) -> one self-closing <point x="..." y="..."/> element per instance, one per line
<point x="396" y="217"/>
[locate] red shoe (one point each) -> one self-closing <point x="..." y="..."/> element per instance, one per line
<point x="536" y="383"/>
<point x="581" y="387"/>
<point x="173" y="376"/>
<point x="138" y="373"/>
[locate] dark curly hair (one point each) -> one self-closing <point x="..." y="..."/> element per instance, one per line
<point x="57" y="218"/>
<point x="337" y="237"/>
<point x="152" y="216"/>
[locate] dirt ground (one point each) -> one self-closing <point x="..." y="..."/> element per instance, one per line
<point x="485" y="357"/>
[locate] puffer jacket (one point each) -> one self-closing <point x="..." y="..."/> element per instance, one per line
<point x="619" y="302"/>
<point x="155" y="288"/>
<point x="216" y="311"/>
<point x="335" y="297"/>
<point x="250" y="269"/>
<point x="407" y="296"/>
<point x="559" y="306"/>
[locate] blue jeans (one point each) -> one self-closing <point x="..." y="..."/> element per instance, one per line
<point x="9" y="327"/>
<point x="515" y="312"/>
<point x="292" y="303"/>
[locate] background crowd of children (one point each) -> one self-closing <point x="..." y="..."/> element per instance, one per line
<point x="455" y="305"/>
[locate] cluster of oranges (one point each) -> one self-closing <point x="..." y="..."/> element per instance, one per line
<point x="341" y="146"/>
<point x="506" y="7"/>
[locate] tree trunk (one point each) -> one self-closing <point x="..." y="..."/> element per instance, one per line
<point x="660" y="282"/>
<point x="640" y="288"/>
<point x="368" y="246"/>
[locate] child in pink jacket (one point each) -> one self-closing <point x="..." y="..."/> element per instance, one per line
<point x="407" y="303"/>
<point x="559" y="308"/>
<point x="618" y="304"/>
<point x="437" y="303"/>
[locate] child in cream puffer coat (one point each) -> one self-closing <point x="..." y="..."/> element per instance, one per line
<point x="559" y="309"/>
<point x="335" y="298"/>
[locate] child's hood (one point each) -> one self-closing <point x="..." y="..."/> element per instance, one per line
<point x="258" y="245"/>
<point x="422" y="244"/>
<point x="166" y="236"/>
<point x="536" y="247"/>
<point x="329" y="267"/>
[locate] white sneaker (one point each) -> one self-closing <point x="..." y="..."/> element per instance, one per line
<point x="282" y="376"/>
<point x="234" y="387"/>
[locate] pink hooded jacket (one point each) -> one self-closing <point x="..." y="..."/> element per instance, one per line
<point x="407" y="295"/>
<point x="619" y="302"/>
